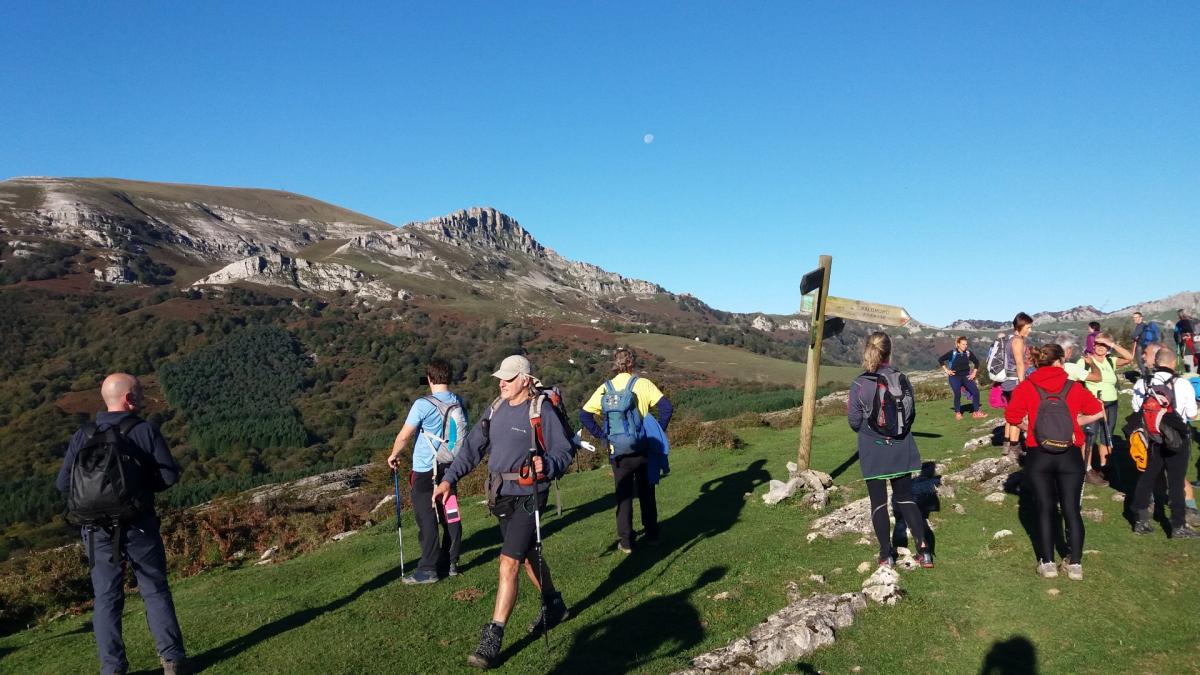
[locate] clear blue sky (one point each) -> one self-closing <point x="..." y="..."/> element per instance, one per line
<point x="904" y="140"/>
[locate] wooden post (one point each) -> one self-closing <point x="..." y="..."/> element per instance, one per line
<point x="813" y="368"/>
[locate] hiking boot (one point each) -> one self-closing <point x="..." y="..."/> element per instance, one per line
<point x="181" y="667"/>
<point x="555" y="609"/>
<point x="957" y="416"/>
<point x="1192" y="518"/>
<point x="487" y="654"/>
<point x="624" y="548"/>
<point x="453" y="570"/>
<point x="925" y="559"/>
<point x="979" y="414"/>
<point x="1143" y="527"/>
<point x="1047" y="570"/>
<point x="420" y="577"/>
<point x="1094" y="477"/>
<point x="888" y="562"/>
<point x="1074" y="571"/>
<point x="1184" y="532"/>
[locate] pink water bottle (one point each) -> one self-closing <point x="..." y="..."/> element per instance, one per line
<point x="452" y="509"/>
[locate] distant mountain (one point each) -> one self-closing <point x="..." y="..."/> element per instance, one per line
<point x="1164" y="308"/>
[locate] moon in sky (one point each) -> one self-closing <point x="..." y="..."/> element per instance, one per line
<point x="648" y="139"/>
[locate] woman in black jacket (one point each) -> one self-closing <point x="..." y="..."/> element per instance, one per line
<point x="885" y="453"/>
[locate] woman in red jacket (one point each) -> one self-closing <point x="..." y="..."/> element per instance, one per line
<point x="1054" y="459"/>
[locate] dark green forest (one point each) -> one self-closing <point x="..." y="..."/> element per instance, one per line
<point x="247" y="386"/>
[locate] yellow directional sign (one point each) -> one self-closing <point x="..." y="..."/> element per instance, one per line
<point x="869" y="312"/>
<point x="859" y="310"/>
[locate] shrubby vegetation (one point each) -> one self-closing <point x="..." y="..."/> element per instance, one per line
<point x="35" y="260"/>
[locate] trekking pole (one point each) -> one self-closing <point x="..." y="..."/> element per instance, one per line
<point x="533" y="477"/>
<point x="399" y="532"/>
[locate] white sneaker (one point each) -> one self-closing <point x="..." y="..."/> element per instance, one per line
<point x="1047" y="570"/>
<point x="1074" y="571"/>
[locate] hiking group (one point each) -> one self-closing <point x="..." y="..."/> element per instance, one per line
<point x="528" y="444"/>
<point x="1064" y="409"/>
<point x="1056" y="410"/>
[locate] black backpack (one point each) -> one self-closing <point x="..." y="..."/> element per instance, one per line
<point x="1052" y="427"/>
<point x="109" y="481"/>
<point x="892" y="406"/>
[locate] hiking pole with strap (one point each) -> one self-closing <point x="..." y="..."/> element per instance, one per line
<point x="530" y="476"/>
<point x="399" y="532"/>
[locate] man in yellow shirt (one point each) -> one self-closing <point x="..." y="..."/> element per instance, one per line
<point x="620" y="429"/>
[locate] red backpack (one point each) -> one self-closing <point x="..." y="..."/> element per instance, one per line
<point x="1163" y="425"/>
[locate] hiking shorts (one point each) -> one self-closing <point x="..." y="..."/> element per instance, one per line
<point x="516" y="523"/>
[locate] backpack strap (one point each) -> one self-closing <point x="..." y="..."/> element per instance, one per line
<point x="629" y="384"/>
<point x="129" y="424"/>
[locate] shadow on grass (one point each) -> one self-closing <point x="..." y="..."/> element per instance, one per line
<point x="294" y="620"/>
<point x="625" y="640"/>
<point x="715" y="510"/>
<point x="1014" y="656"/>
<point x="841" y="468"/>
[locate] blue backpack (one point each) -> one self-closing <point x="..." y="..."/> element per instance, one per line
<point x="622" y="420"/>
<point x="1151" y="334"/>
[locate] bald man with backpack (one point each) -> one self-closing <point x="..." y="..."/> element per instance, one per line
<point x="113" y="467"/>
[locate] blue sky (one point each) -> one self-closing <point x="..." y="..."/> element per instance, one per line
<point x="960" y="159"/>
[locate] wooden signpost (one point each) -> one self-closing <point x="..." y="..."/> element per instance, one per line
<point x="815" y="300"/>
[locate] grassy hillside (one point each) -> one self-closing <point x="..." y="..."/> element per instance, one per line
<point x="342" y="609"/>
<point x="731" y="363"/>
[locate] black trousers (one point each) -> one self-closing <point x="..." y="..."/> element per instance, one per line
<point x="1174" y="468"/>
<point x="1057" y="481"/>
<point x="906" y="507"/>
<point x="630" y="474"/>
<point x="434" y="557"/>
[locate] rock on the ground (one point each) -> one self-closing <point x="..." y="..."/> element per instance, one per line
<point x="343" y="535"/>
<point x="978" y="442"/>
<point x="853" y="518"/>
<point x="723" y="595"/>
<point x="982" y="470"/>
<point x="958" y="508"/>
<point x="995" y="498"/>
<point x="1093" y="514"/>
<point x="883" y="586"/>
<point x="817" y="578"/>
<point x="387" y="499"/>
<point x="787" y="635"/>
<point x="1118" y="497"/>
<point x="1002" y="534"/>
<point x="779" y="490"/>
<point x="864" y="567"/>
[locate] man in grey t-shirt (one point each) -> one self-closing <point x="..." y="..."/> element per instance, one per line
<point x="516" y="453"/>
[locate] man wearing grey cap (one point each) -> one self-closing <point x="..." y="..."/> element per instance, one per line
<point x="521" y="464"/>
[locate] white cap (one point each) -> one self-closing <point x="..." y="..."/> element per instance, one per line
<point x="512" y="366"/>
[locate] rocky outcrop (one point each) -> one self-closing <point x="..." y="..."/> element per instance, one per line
<point x="280" y="270"/>
<point x="763" y="323"/>
<point x="337" y="484"/>
<point x="815" y="486"/>
<point x="794" y="631"/>
<point x="804" y="626"/>
<point x="1081" y="313"/>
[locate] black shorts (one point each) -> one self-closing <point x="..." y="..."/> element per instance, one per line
<point x="516" y="523"/>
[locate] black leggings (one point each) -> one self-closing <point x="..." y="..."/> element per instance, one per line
<point x="902" y="496"/>
<point x="1057" y="481"/>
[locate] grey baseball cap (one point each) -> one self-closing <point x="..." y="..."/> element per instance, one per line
<point x="512" y="366"/>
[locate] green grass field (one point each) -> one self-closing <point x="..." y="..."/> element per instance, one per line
<point x="732" y="363"/>
<point x="342" y="609"/>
